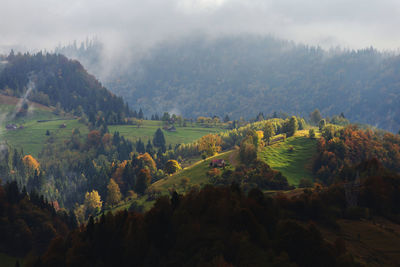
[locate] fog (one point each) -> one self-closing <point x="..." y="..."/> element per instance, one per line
<point x="44" y="24"/>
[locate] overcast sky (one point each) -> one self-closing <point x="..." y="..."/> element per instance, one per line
<point x="38" y="24"/>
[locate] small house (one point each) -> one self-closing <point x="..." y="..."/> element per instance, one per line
<point x="171" y="129"/>
<point x="217" y="163"/>
<point x="11" y="127"/>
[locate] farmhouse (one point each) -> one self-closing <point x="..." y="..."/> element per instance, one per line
<point x="219" y="163"/>
<point x="172" y="129"/>
<point x="11" y="127"/>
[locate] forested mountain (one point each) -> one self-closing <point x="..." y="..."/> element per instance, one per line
<point x="54" y="80"/>
<point x="222" y="226"/>
<point x="244" y="75"/>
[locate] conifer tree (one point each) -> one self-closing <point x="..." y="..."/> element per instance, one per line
<point x="140" y="115"/>
<point x="159" y="139"/>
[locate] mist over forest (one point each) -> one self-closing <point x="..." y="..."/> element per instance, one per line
<point x="243" y="75"/>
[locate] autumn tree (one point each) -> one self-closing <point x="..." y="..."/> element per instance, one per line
<point x="146" y="161"/>
<point x="92" y="201"/>
<point x="31" y="163"/>
<point x="210" y="144"/>
<point x="248" y="150"/>
<point x="94" y="138"/>
<point x="117" y="176"/>
<point x="113" y="193"/>
<point x="172" y="166"/>
<point x="269" y="132"/>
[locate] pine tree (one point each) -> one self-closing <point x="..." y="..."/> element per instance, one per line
<point x="226" y="118"/>
<point x="159" y="139"/>
<point x="140" y="146"/>
<point x="149" y="148"/>
<point x="292" y="126"/>
<point x="140" y="115"/>
<point x="143" y="181"/>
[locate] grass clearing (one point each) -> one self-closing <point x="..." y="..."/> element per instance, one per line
<point x="294" y="164"/>
<point x="33" y="136"/>
<point x="183" y="135"/>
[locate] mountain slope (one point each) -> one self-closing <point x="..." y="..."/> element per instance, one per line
<point x="52" y="79"/>
<point x="244" y="75"/>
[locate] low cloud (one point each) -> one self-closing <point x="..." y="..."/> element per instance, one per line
<point x="43" y="24"/>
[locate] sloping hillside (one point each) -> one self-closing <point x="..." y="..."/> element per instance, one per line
<point x="52" y="79"/>
<point x="293" y="157"/>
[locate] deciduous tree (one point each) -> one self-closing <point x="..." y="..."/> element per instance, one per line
<point x="269" y="132"/>
<point x="210" y="144"/>
<point x="172" y="166"/>
<point x="92" y="201"/>
<point x="113" y="193"/>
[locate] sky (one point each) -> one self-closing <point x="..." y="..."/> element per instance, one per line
<point x="44" y="24"/>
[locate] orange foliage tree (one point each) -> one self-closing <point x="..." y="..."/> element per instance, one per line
<point x="31" y="163"/>
<point x="145" y="160"/>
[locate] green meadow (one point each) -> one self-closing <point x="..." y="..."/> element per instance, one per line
<point x="293" y="158"/>
<point x="33" y="136"/>
<point x="183" y="135"/>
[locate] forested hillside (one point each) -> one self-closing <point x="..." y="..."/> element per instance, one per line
<point x="244" y="75"/>
<point x="54" y="80"/>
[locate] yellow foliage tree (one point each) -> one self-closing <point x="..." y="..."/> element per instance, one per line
<point x="92" y="201"/>
<point x="210" y="144"/>
<point x="172" y="166"/>
<point x="113" y="193"/>
<point x="30" y="162"/>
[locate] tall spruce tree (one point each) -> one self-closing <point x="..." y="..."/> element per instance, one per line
<point x="159" y="139"/>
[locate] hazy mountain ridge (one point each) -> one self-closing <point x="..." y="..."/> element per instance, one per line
<point x="244" y="75"/>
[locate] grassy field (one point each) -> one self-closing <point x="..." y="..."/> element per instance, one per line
<point x="293" y="164"/>
<point x="146" y="131"/>
<point x="33" y="136"/>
